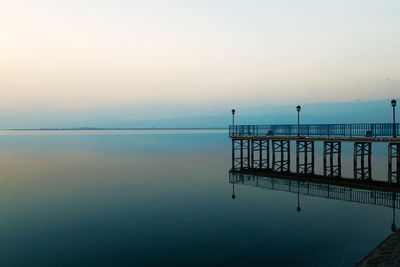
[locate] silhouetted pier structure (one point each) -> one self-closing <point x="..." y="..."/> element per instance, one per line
<point x="253" y="146"/>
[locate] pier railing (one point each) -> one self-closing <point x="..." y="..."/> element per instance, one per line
<point x="350" y="129"/>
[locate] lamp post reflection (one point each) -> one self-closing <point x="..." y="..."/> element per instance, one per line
<point x="394" y="228"/>
<point x="298" y="197"/>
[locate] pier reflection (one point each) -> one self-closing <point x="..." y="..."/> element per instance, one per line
<point x="375" y="195"/>
<point x="355" y="192"/>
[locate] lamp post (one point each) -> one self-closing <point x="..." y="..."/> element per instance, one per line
<point x="233" y="121"/>
<point x="394" y="118"/>
<point x="298" y="108"/>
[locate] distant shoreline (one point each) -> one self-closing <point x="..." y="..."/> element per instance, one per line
<point x="110" y="129"/>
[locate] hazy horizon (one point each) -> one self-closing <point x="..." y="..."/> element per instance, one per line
<point x="200" y="117"/>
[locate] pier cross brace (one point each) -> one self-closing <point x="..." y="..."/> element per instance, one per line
<point x="362" y="161"/>
<point x="305" y="157"/>
<point x="394" y="163"/>
<point x="332" y="168"/>
<point x="240" y="154"/>
<point x="260" y="154"/>
<point x="281" y="155"/>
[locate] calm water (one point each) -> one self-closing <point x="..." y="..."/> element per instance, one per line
<point x="163" y="198"/>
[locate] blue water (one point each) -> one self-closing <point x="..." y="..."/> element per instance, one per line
<point x="163" y="198"/>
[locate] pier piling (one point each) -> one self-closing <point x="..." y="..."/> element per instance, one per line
<point x="333" y="169"/>
<point x="304" y="150"/>
<point x="393" y="163"/>
<point x="281" y="147"/>
<point x="362" y="167"/>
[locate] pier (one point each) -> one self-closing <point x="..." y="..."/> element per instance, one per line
<point x="267" y="148"/>
<point x="261" y="157"/>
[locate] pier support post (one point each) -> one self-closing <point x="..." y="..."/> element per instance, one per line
<point x="260" y="154"/>
<point x="240" y="154"/>
<point x="233" y="154"/>
<point x="332" y="168"/>
<point x="362" y="168"/>
<point x="394" y="163"/>
<point x="305" y="157"/>
<point x="281" y="148"/>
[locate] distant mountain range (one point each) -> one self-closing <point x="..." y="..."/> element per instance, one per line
<point x="201" y="117"/>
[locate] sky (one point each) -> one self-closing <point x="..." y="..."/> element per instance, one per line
<point x="184" y="57"/>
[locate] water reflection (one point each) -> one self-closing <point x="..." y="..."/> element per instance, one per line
<point x="362" y="193"/>
<point x="374" y="195"/>
<point x="119" y="199"/>
<point x="394" y="228"/>
<point x="298" y="197"/>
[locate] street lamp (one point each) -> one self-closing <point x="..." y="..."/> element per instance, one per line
<point x="298" y="108"/>
<point x="233" y="121"/>
<point x="394" y="119"/>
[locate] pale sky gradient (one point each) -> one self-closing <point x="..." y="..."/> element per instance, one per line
<point x="80" y="55"/>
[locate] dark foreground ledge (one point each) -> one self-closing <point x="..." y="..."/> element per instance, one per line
<point x="387" y="253"/>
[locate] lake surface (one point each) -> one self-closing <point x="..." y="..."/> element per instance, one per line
<point x="164" y="198"/>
